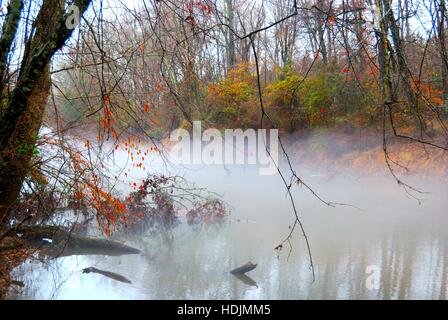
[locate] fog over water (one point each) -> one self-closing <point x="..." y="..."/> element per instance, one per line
<point x="406" y="241"/>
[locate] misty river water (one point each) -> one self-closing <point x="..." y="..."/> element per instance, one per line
<point x="405" y="241"/>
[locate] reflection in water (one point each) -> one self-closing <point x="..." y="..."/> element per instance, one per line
<point x="111" y="275"/>
<point x="245" y="279"/>
<point x="405" y="240"/>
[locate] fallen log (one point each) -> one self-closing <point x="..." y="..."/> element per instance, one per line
<point x="112" y="275"/>
<point x="17" y="283"/>
<point x="59" y="242"/>
<point x="244" y="268"/>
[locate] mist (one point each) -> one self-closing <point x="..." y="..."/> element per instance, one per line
<point x="377" y="226"/>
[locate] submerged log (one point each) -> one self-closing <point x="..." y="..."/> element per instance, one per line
<point x="17" y="283"/>
<point x="60" y="242"/>
<point x="112" y="275"/>
<point x="244" y="268"/>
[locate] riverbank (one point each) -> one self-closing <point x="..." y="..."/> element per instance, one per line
<point x="362" y="150"/>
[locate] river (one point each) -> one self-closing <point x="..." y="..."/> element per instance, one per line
<point x="405" y="244"/>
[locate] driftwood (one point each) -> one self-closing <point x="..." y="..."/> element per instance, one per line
<point x="108" y="274"/>
<point x="17" y="283"/>
<point x="244" y="268"/>
<point x="60" y="242"/>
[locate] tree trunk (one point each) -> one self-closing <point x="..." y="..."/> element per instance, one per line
<point x="21" y="121"/>
<point x="230" y="37"/>
<point x="321" y="33"/>
<point x="63" y="242"/>
<point x="16" y="157"/>
<point x="403" y="69"/>
<point x="443" y="51"/>
<point x="383" y="56"/>
<point x="8" y="33"/>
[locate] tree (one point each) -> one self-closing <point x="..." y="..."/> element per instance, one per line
<point x="25" y="104"/>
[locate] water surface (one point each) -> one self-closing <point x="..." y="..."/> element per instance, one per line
<point x="405" y="240"/>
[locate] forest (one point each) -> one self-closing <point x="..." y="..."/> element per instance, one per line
<point x="90" y="91"/>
